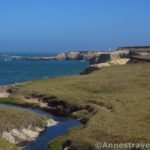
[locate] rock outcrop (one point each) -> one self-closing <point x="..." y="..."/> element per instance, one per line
<point x="123" y="55"/>
<point x="82" y="55"/>
<point x="87" y="55"/>
<point x="73" y="56"/>
<point x="77" y="55"/>
<point x="61" y="56"/>
<point x="136" y="50"/>
<point x="140" y="59"/>
<point x="137" y="54"/>
<point x="94" y="57"/>
<point x="91" y="68"/>
<point x="17" y="136"/>
<point x="109" y="56"/>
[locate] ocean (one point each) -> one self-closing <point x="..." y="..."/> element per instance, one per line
<point x="21" y="71"/>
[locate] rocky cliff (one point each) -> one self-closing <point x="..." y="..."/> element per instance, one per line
<point x="136" y="50"/>
<point x="94" y="57"/>
<point x="61" y="56"/>
<point x="77" y="55"/>
<point x="121" y="52"/>
<point x="121" y="56"/>
<point x="109" y="56"/>
<point x="140" y="59"/>
<point x="74" y="56"/>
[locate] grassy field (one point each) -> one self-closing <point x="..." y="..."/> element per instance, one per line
<point x="12" y="118"/>
<point x="121" y="95"/>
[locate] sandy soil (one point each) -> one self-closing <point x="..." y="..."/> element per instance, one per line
<point x="3" y="92"/>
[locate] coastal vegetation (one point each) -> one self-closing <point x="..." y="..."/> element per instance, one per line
<point x="11" y="118"/>
<point x="18" y="120"/>
<point x="5" y="145"/>
<point x="19" y="102"/>
<point x="114" y="101"/>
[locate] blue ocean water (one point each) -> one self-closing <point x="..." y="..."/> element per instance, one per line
<point x="21" y="71"/>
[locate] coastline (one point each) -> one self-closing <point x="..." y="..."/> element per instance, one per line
<point x="83" y="111"/>
<point x="94" y="106"/>
<point x="25" y="136"/>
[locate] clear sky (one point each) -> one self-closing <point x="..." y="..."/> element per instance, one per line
<point x="62" y="25"/>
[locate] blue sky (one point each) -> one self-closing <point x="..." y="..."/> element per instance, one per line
<point x="62" y="25"/>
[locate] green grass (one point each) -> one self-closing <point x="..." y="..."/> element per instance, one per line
<point x="12" y="118"/>
<point x="19" y="102"/>
<point x="121" y="94"/>
<point x="57" y="143"/>
<point x="5" y="145"/>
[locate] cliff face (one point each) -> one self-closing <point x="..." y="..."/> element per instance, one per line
<point x="61" y="56"/>
<point x="121" y="56"/>
<point x="95" y="57"/>
<point x="75" y="55"/>
<point x="140" y="59"/>
<point x="136" y="50"/>
<point x="122" y="52"/>
<point x="90" y="54"/>
<point x="137" y="54"/>
<point x="119" y="61"/>
<point x="109" y="56"/>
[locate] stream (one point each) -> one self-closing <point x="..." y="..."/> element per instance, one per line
<point x="50" y="133"/>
